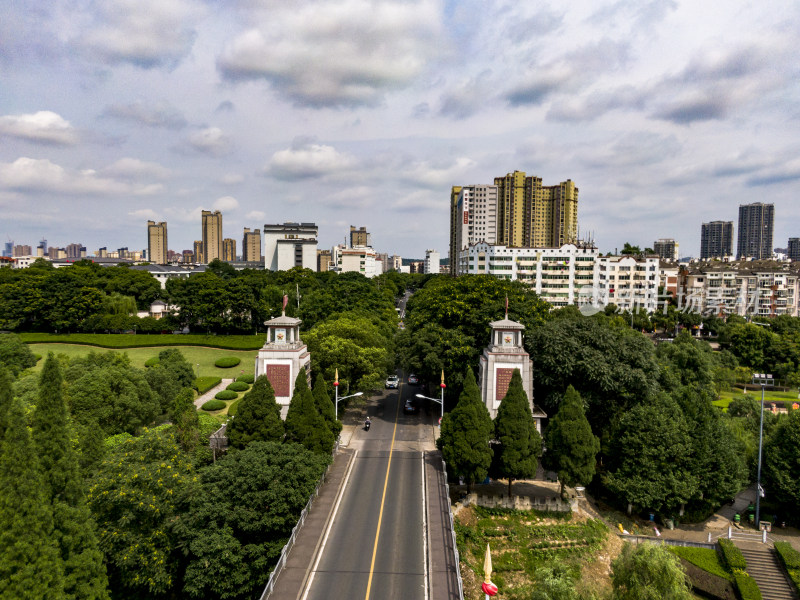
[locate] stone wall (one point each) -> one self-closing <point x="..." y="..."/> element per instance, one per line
<point x="545" y="504"/>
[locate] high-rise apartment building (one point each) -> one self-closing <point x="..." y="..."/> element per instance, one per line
<point x="157" y="242"/>
<point x="359" y="238"/>
<point x="187" y="257"/>
<point x="212" y="235"/>
<point x="530" y="214"/>
<point x="324" y="260"/>
<point x="229" y="250"/>
<point x="432" y="261"/>
<point x="716" y="240"/>
<point x="75" y="251"/>
<point x="22" y="250"/>
<point x="793" y="250"/>
<point x="251" y="245"/>
<point x="290" y="245"/>
<point x="756" y="224"/>
<point x="198" y="252"/>
<point x="666" y="248"/>
<point x="8" y="249"/>
<point x="473" y="217"/>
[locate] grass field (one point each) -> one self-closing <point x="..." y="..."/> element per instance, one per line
<point x="124" y="340"/>
<point x="769" y="396"/>
<point x="201" y="358"/>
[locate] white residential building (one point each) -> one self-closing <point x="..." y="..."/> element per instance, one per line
<point x="432" y="262"/>
<point x="361" y="259"/>
<point x="627" y="282"/>
<point x="476" y="216"/>
<point x="290" y="245"/>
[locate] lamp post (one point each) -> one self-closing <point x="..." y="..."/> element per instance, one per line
<point x="336" y="403"/>
<point x="763" y="379"/>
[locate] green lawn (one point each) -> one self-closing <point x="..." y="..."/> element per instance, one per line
<point x="769" y="396"/>
<point x="201" y="358"/>
<point x="123" y="340"/>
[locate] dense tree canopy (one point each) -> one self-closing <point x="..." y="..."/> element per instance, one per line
<point x="649" y="572"/>
<point x="258" y="417"/>
<point x="14" y="354"/>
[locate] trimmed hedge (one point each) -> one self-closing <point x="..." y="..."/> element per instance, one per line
<point x="128" y="340"/>
<point x="706" y="584"/>
<point x="226" y="362"/>
<point x="238" y="386"/>
<point x="791" y="561"/>
<point x="247" y="378"/>
<point x="747" y="586"/>
<point x="203" y="384"/>
<point x="226" y="395"/>
<point x="704" y="558"/>
<point x="731" y="555"/>
<point x="213" y="405"/>
<point x="151" y="362"/>
<point x="233" y="408"/>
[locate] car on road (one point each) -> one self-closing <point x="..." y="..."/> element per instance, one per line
<point x="392" y="382"/>
<point x="410" y="408"/>
<point x="412" y="379"/>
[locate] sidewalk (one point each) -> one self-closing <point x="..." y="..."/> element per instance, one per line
<point x="200" y="400"/>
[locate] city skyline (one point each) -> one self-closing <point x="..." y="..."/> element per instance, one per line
<point x="369" y="112"/>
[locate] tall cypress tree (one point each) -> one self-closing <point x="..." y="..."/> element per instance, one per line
<point x="465" y="434"/>
<point x="75" y="530"/>
<point x="184" y="415"/>
<point x="258" y="417"/>
<point x="304" y="424"/>
<point x="30" y="562"/>
<point x="571" y="446"/>
<point x="515" y="429"/>
<point x="6" y="396"/>
<point x="325" y="405"/>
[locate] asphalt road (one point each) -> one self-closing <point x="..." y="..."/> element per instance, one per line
<point x="376" y="545"/>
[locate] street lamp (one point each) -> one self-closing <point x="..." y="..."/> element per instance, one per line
<point x="336" y="403"/>
<point x="441" y="385"/>
<point x="763" y="379"/>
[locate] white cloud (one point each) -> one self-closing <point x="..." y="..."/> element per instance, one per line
<point x="307" y="160"/>
<point x="42" y="175"/>
<point x="133" y="168"/>
<point x="44" y="127"/>
<point x="231" y="178"/>
<point x="145" y="213"/>
<point x="439" y="175"/>
<point x="359" y="197"/>
<point x="159" y="114"/>
<point x="256" y="215"/>
<point x="212" y="141"/>
<point x="226" y="204"/>
<point x="338" y="52"/>
<point x="147" y="33"/>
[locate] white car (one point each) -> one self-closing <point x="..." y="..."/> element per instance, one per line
<point x="392" y="382"/>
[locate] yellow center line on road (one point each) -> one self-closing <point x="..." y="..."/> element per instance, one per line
<point x="383" y="498"/>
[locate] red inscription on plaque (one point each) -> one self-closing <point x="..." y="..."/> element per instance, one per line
<point x="501" y="383"/>
<point x="278" y="376"/>
<point x="466" y="217"/>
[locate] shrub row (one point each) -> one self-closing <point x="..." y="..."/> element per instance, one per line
<point x="791" y="560"/>
<point x="233" y="408"/>
<point x="203" y="384"/>
<point x="747" y="586"/>
<point x="213" y="405"/>
<point x="238" y="386"/>
<point x="226" y="395"/>
<point x="247" y="378"/>
<point x="226" y="362"/>
<point x="151" y="362"/>
<point x="731" y="555"/>
<point x="129" y="340"/>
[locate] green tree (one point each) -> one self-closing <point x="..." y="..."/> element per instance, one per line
<point x="650" y="455"/>
<point x="6" y="396"/>
<point x="571" y="446"/>
<point x="325" y="406"/>
<point x="242" y="515"/>
<point x="184" y="416"/>
<point x="177" y="366"/>
<point x="137" y="497"/>
<point x="648" y="572"/>
<point x="74" y="529"/>
<point x="515" y="429"/>
<point x="554" y="583"/>
<point x="30" y="561"/>
<point x="465" y="434"/>
<point x="15" y="354"/>
<point x="781" y="465"/>
<point x="304" y="424"/>
<point x="258" y="417"/>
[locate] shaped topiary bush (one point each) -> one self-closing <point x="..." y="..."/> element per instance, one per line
<point x="238" y="386"/>
<point x="226" y="395"/>
<point x="731" y="555"/>
<point x="247" y="378"/>
<point x="151" y="362"/>
<point x="226" y="362"/>
<point x="203" y="384"/>
<point x="213" y="405"/>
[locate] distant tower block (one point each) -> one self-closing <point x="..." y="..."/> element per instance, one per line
<point x="283" y="356"/>
<point x="505" y="353"/>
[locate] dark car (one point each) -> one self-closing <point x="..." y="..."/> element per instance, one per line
<point x="410" y="408"/>
<point x="412" y="379"/>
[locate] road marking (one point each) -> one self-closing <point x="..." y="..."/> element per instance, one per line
<point x="424" y="527"/>
<point x="383" y="497"/>
<point x="330" y="524"/>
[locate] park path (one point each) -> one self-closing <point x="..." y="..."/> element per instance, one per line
<point x="200" y="400"/>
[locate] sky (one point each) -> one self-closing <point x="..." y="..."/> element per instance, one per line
<point x="665" y="114"/>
